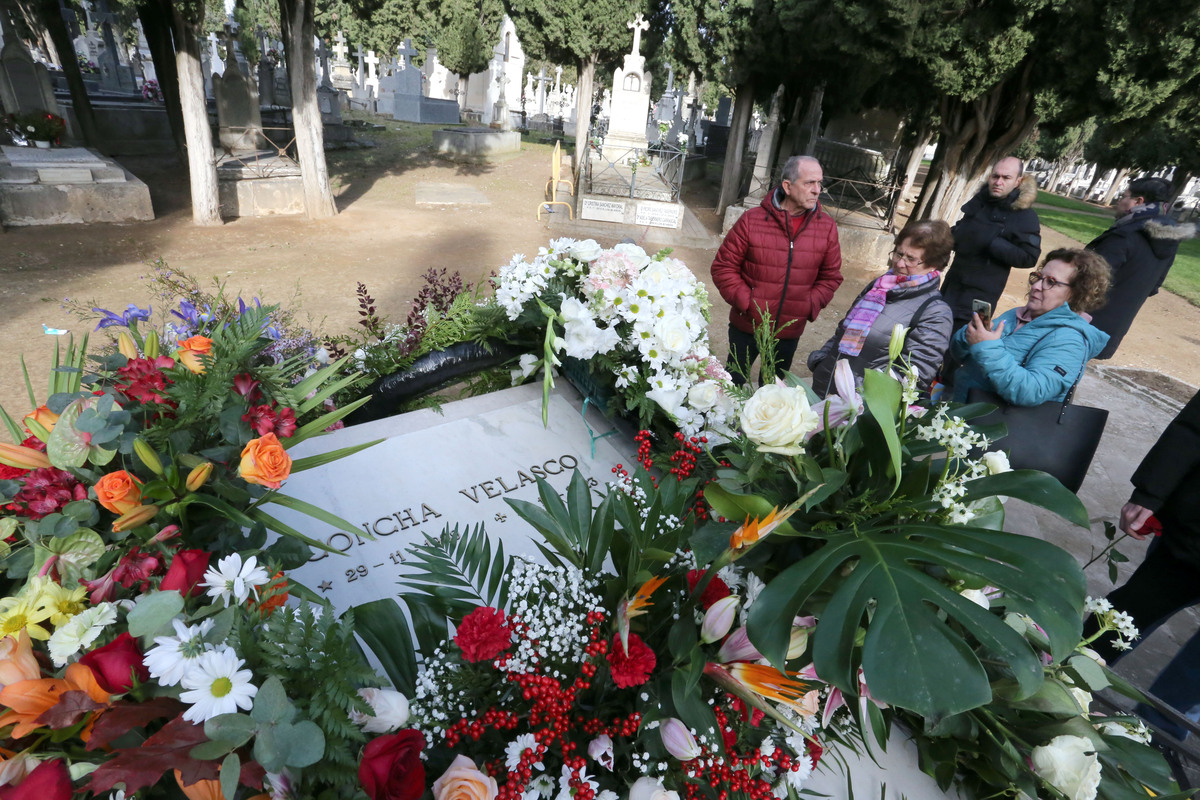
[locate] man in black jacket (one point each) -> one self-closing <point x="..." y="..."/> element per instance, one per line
<point x="1166" y="486"/>
<point x="999" y="230"/>
<point x="1139" y="247"/>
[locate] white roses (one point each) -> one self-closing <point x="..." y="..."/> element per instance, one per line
<point x="778" y="418"/>
<point x="1069" y="764"/>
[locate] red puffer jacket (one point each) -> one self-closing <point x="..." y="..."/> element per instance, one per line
<point x="761" y="264"/>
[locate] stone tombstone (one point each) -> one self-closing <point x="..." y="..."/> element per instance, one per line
<point x="114" y="76"/>
<point x="388" y="82"/>
<point x="440" y="83"/>
<point x="724" y="111"/>
<point x="630" y="97"/>
<point x="239" y="115"/>
<point x="283" y="86"/>
<point x="371" y="81"/>
<point x="340" y="74"/>
<point x="437" y="471"/>
<point x="266" y="82"/>
<point x="24" y="83"/>
<point x="405" y="87"/>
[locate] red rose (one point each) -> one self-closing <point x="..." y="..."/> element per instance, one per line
<point x="115" y="664"/>
<point x="186" y="571"/>
<point x="391" y="767"/>
<point x="714" y="591"/>
<point x="483" y="634"/>
<point x="48" y="781"/>
<point x="632" y="668"/>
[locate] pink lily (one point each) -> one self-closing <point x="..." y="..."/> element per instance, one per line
<point x="836" y="699"/>
<point x="843" y="407"/>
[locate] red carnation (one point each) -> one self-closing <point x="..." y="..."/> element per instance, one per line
<point x="631" y="668"/>
<point x="483" y="634"/>
<point x="714" y="591"/>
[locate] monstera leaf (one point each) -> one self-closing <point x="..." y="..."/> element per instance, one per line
<point x="921" y="650"/>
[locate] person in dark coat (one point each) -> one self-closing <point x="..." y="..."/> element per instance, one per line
<point x="1140" y="248"/>
<point x="782" y="259"/>
<point x="1166" y="498"/>
<point x="998" y="231"/>
<point x="907" y="295"/>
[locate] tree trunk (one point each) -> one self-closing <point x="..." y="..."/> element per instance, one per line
<point x="202" y="167"/>
<point x="923" y="138"/>
<point x="156" y="25"/>
<point x="731" y="176"/>
<point x="1055" y="177"/>
<point x="583" y="114"/>
<point x="1096" y="176"/>
<point x="974" y="135"/>
<point x="56" y="26"/>
<point x="296" y="22"/>
<point x="1179" y="183"/>
<point x="1114" y="186"/>
<point x="810" y="126"/>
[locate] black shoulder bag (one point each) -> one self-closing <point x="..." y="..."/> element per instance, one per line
<point x="1058" y="438"/>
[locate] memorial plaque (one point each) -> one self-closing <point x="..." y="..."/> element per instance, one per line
<point x="603" y="210"/>
<point x="64" y="175"/>
<point x="33" y="157"/>
<point x="658" y="215"/>
<point x="434" y="471"/>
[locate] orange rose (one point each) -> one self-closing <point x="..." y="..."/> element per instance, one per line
<point x="119" y="492"/>
<point x="42" y="416"/>
<point x="265" y="462"/>
<point x="464" y="781"/>
<point x="191" y="350"/>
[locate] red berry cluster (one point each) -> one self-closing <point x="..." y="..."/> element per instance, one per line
<point x="684" y="458"/>
<point x="550" y="714"/>
<point x="643" y="445"/>
<point x="734" y="774"/>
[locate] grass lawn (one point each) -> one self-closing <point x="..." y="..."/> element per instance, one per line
<point x="1184" y="277"/>
<point x="1058" y="201"/>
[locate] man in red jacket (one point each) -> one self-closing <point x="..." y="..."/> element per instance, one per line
<point x="781" y="260"/>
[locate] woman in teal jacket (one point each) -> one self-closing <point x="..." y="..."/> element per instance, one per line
<point x="1035" y="353"/>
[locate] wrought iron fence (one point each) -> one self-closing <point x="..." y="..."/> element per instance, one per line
<point x="265" y="156"/>
<point x="860" y="182"/>
<point x="652" y="173"/>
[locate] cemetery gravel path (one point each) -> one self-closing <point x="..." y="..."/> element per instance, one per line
<point x="385" y="240"/>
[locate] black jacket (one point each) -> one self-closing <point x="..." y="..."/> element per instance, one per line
<point x="993" y="236"/>
<point x="1140" y="249"/>
<point x="1168" y="483"/>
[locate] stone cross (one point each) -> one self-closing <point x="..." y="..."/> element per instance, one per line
<point x="359" y="75"/>
<point x="340" y="50"/>
<point x="372" y="62"/>
<point x="542" y="79"/>
<point x="558" y="79"/>
<point x="406" y="52"/>
<point x="638" y="25"/>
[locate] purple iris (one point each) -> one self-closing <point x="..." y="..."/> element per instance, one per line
<point x="132" y="314"/>
<point x="191" y="315"/>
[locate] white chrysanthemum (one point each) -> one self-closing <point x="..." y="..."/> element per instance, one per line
<point x="172" y="656"/>
<point x="216" y="684"/>
<point x="234" y="578"/>
<point x="79" y="632"/>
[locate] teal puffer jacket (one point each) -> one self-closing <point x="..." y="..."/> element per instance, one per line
<point x="1032" y="365"/>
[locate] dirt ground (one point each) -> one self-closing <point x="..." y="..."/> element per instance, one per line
<point x="385" y="240"/>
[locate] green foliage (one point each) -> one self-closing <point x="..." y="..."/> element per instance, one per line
<point x="451" y="575"/>
<point x="318" y="661"/>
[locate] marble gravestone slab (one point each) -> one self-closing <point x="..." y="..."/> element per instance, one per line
<point x="436" y="471"/>
<point x="34" y="157"/>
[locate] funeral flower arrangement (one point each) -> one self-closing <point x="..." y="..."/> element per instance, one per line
<point x="144" y="636"/>
<point x="620" y="312"/>
<point x="618" y="668"/>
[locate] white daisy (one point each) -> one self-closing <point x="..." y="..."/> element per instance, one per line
<point x="217" y="685"/>
<point x="233" y="578"/>
<point x="79" y="632"/>
<point x="512" y="753"/>
<point x="174" y="655"/>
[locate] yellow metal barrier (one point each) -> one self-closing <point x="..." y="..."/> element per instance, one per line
<point x="552" y="185"/>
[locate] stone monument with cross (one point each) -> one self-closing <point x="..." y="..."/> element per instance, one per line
<point x="339" y="68"/>
<point x="630" y="98"/>
<point x="404" y="86"/>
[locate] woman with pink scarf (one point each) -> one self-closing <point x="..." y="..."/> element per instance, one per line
<point x="907" y="295"/>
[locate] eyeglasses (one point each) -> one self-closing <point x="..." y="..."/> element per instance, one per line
<point x="1034" y="277"/>
<point x="911" y="261"/>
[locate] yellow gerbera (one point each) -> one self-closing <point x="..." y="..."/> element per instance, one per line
<point x="23" y="614"/>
